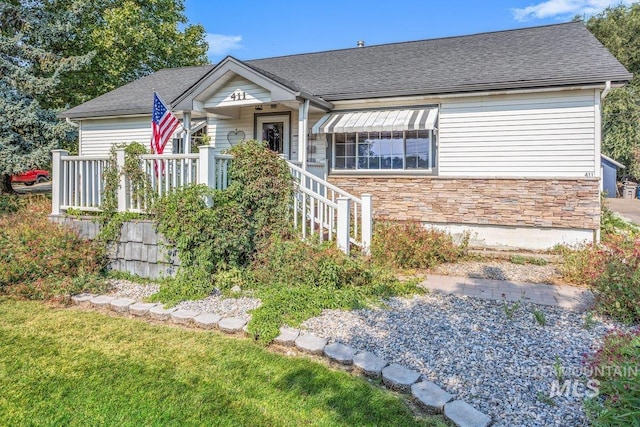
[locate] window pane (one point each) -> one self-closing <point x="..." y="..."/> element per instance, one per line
<point x="339" y="162"/>
<point x="412" y="161"/>
<point x="418" y="149"/>
<point x="350" y="163"/>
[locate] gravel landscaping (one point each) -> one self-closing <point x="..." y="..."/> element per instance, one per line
<point x="502" y="366"/>
<point x="216" y="303"/>
<point x="498" y="360"/>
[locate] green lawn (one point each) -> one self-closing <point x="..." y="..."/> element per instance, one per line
<point x="69" y="367"/>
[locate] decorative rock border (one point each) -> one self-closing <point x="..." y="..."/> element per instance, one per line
<point x="427" y="394"/>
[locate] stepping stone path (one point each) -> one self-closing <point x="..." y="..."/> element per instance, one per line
<point x="121" y="305"/>
<point x="160" y="313"/>
<point x="369" y="364"/>
<point x="340" y="353"/>
<point x="183" y="317"/>
<point x="464" y="415"/>
<point x="141" y="308"/>
<point x="83" y="300"/>
<point x="207" y="320"/>
<point x="311" y="344"/>
<point x="287" y="337"/>
<point x="428" y="395"/>
<point x="399" y="378"/>
<point x="102" y="301"/>
<point x="232" y="325"/>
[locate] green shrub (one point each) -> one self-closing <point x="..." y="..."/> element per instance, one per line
<point x="297" y="280"/>
<point x="214" y="240"/>
<point x="583" y="264"/>
<point x="612" y="271"/>
<point x="617" y="288"/>
<point x="10" y="204"/>
<point x="615" y="365"/>
<point x="42" y="260"/>
<point x="410" y="245"/>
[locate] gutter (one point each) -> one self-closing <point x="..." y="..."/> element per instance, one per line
<point x="74" y="124"/>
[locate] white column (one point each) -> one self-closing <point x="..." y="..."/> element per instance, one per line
<point x="122" y="186"/>
<point x="207" y="168"/>
<point x="303" y="140"/>
<point x="57" y="182"/>
<point x="367" y="222"/>
<point x="343" y="227"/>
<point x="186" y="123"/>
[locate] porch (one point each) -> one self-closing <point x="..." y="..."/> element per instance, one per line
<point x="319" y="210"/>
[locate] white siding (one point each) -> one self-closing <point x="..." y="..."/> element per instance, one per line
<point x="219" y="130"/>
<point x="250" y="94"/>
<point x="549" y="134"/>
<point x="98" y="135"/>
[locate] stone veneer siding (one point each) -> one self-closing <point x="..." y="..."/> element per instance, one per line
<point x="572" y="203"/>
<point x="140" y="250"/>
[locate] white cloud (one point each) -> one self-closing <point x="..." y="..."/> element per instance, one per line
<point x="220" y="44"/>
<point x="562" y="9"/>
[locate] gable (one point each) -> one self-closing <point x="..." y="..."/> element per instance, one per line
<point x="237" y="93"/>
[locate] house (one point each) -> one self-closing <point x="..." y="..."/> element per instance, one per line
<point x="609" y="176"/>
<point x="496" y="133"/>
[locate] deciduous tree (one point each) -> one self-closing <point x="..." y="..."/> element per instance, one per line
<point x="618" y="28"/>
<point x="129" y="38"/>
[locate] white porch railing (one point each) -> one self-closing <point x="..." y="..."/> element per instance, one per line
<point x="324" y="209"/>
<point x="319" y="208"/>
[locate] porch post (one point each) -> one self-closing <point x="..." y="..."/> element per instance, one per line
<point x="343" y="228"/>
<point x="186" y="123"/>
<point x="122" y="186"/>
<point x="57" y="183"/>
<point x="303" y="140"/>
<point x="367" y="222"/>
<point x="207" y="168"/>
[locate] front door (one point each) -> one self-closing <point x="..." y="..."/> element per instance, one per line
<point x="274" y="129"/>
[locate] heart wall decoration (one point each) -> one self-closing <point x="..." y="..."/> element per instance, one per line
<point x="235" y="136"/>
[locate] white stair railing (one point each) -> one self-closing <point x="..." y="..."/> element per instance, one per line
<point x="320" y="208"/>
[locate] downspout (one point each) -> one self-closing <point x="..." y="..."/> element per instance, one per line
<point x="607" y="88"/>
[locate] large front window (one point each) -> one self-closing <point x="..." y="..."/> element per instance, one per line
<point x="397" y="150"/>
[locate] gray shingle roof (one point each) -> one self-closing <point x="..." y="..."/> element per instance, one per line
<point x="530" y="57"/>
<point x="554" y="55"/>
<point x="137" y="97"/>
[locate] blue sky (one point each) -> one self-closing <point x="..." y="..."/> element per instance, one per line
<point x="250" y="29"/>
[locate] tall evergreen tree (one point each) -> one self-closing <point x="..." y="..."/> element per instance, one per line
<point x="618" y="28"/>
<point x="28" y="72"/>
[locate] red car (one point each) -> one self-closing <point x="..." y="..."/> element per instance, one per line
<point x="31" y="177"/>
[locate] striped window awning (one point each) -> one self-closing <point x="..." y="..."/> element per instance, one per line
<point x="377" y="121"/>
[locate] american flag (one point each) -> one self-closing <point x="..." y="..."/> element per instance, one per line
<point x="164" y="123"/>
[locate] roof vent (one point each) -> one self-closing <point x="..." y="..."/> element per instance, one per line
<point x="360" y="43"/>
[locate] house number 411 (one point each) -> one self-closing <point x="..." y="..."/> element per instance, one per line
<point x="239" y="96"/>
